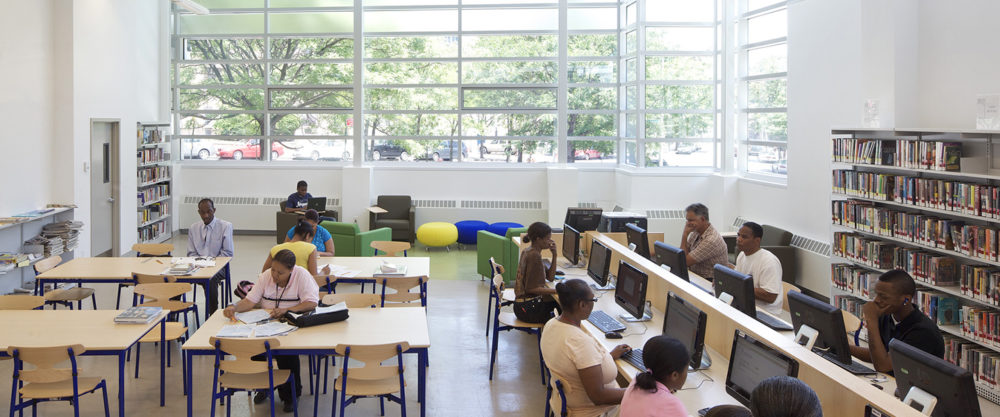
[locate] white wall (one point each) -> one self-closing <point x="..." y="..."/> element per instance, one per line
<point x="27" y="100"/>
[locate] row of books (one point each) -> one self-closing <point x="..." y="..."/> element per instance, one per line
<point x="981" y="283"/>
<point x="150" y="136"/>
<point x="928" y="267"/>
<point x="853" y="305"/>
<point x="981" y="324"/>
<point x="859" y="282"/>
<point x="152" y="231"/>
<point x="153" y="193"/>
<point x="904" y="153"/>
<point x="152" y="212"/>
<point x="973" y="199"/>
<point x="984" y="364"/>
<point x="926" y="230"/>
<point x="147" y="156"/>
<point x="156" y="173"/>
<point x="942" y="308"/>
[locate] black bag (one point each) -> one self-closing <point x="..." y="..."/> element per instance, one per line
<point x="533" y="310"/>
<point x="242" y="289"/>
<point x="312" y="319"/>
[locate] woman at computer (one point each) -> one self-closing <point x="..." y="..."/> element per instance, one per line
<point x="585" y="367"/>
<point x="651" y="391"/>
<point x="321" y="239"/>
<point x="305" y="252"/>
<point x="784" y="396"/>
<point x="534" y="302"/>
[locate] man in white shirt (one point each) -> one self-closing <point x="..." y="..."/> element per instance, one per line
<point x="210" y="237"/>
<point x="762" y="265"/>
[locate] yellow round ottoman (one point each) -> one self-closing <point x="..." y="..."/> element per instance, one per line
<point x="437" y="234"/>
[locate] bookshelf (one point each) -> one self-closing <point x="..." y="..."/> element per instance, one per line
<point x="927" y="201"/>
<point x="153" y="183"/>
<point x="16" y="230"/>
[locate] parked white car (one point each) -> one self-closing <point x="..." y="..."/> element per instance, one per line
<point x="317" y="149"/>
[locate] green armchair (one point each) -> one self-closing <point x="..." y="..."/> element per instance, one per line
<point x="348" y="240"/>
<point x="500" y="248"/>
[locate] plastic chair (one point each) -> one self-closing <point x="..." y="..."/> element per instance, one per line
<point x="785" y="288"/>
<point x="354" y="300"/>
<point x="390" y="248"/>
<point x="64" y="296"/>
<point x="853" y="322"/>
<point x="47" y="383"/>
<point x="160" y="294"/>
<point x="507" y="321"/>
<point x="403" y="297"/>
<point x="144" y="250"/>
<point x="373" y="379"/>
<point x="562" y="397"/>
<point x="21" y="302"/>
<point x="494" y="297"/>
<point x="329" y="282"/>
<point x="245" y="374"/>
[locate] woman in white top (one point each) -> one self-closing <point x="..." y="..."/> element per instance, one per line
<point x="282" y="287"/>
<point x="586" y="369"/>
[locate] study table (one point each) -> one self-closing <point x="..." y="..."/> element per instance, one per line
<point x="94" y="329"/>
<point x="365" y="266"/>
<point x="119" y="270"/>
<point x="365" y="326"/>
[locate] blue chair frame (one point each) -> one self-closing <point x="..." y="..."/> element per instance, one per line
<point x="228" y="392"/>
<point x="75" y="399"/>
<point x="496" y="333"/>
<point x="494" y="297"/>
<point x="345" y="401"/>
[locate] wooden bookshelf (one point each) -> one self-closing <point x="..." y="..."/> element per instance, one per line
<point x="154" y="183"/>
<point x="876" y="211"/>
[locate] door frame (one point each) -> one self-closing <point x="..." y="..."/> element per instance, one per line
<point x="115" y="174"/>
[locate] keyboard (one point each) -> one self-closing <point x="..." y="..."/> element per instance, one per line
<point x="604" y="322"/>
<point x="634" y="357"/>
<point x="773" y="322"/>
<point x="854" y="367"/>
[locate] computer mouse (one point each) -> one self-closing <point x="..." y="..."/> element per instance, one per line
<point x="612" y="335"/>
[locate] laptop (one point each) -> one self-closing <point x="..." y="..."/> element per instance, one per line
<point x="317" y="203"/>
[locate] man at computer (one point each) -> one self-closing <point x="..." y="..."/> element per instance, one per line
<point x="211" y="236"/>
<point x="762" y="265"/>
<point x="298" y="200"/>
<point x="701" y="242"/>
<point x="893" y="315"/>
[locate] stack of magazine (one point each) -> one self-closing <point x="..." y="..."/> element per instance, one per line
<point x="138" y="315"/>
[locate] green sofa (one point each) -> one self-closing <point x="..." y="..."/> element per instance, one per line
<point x="348" y="240"/>
<point x="502" y="249"/>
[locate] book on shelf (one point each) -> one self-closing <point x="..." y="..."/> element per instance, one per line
<point x="138" y="315"/>
<point x="903" y="153"/>
<point x="984" y="364"/>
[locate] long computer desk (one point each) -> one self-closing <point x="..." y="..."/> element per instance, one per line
<point x="840" y="392"/>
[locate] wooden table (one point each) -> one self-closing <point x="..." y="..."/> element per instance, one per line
<point x="119" y="270"/>
<point x="94" y="329"/>
<point x="366" y="326"/>
<point x="415" y="266"/>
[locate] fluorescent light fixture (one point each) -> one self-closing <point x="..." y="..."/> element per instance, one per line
<point x="191" y="6"/>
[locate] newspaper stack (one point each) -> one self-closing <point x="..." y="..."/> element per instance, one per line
<point x="53" y="245"/>
<point x="68" y="231"/>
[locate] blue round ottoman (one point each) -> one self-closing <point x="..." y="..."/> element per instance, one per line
<point x="467" y="230"/>
<point x="500" y="228"/>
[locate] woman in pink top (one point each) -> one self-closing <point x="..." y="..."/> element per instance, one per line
<point x="282" y="287"/>
<point x="651" y="391"/>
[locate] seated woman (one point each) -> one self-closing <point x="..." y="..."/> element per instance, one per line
<point x="651" y="391"/>
<point x="283" y="287"/>
<point x="784" y="396"/>
<point x="534" y="301"/>
<point x="305" y="252"/>
<point x="321" y="239"/>
<point x="577" y="359"/>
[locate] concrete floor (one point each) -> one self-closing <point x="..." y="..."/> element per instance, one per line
<point x="458" y="383"/>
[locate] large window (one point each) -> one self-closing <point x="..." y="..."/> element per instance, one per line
<point x="762" y="71"/>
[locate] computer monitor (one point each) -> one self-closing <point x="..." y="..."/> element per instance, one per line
<point x="673" y="257"/>
<point x="637" y="236"/>
<point x="599" y="263"/>
<point x="583" y="219"/>
<point x="685" y="322"/>
<point x="826" y="319"/>
<point x="316" y="203"/>
<point x="751" y="362"/>
<point x="952" y="385"/>
<point x="738" y="286"/>
<point x="571" y="244"/>
<point x="630" y="292"/>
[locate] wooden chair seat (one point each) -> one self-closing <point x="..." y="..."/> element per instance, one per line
<point x="368" y="387"/>
<point x="509" y="319"/>
<point x="72" y="294"/>
<point x="508" y="295"/>
<point x="173" y="331"/>
<point x="59" y="389"/>
<point x="252" y="381"/>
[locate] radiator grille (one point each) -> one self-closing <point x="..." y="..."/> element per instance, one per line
<point x="498" y="204"/>
<point x="811" y="245"/>
<point x="586" y="205"/>
<point x="665" y="214"/>
<point x="251" y="201"/>
<point x="434" y="203"/>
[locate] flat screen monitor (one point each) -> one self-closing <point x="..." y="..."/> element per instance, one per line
<point x="737" y="285"/>
<point x="673" y="257"/>
<point x="751" y="362"/>
<point x="826" y="319"/>
<point x="571" y="244"/>
<point x="583" y="219"/>
<point x="630" y="291"/>
<point x="685" y="322"/>
<point x="599" y="263"/>
<point x="952" y="385"/>
<point x="637" y="236"/>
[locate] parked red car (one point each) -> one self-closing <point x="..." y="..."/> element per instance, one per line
<point x="587" y="154"/>
<point x="248" y="150"/>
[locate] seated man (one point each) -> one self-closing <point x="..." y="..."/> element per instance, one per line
<point x="762" y="265"/>
<point x="210" y="237"/>
<point x="892" y="315"/>
<point x="298" y="200"/>
<point x="702" y="243"/>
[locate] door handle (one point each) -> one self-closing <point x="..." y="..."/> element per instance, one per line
<point x="111" y="200"/>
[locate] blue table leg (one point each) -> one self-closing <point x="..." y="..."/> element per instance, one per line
<point x="163" y="353"/>
<point x="228" y="297"/>
<point x="121" y="383"/>
<point x="422" y="380"/>
<point x="187" y="376"/>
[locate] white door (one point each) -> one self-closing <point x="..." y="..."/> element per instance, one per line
<point x="103" y="187"/>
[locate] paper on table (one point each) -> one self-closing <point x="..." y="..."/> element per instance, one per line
<point x="235" y="330"/>
<point x="329" y="309"/>
<point x="341" y="271"/>
<point x="200" y="261"/>
<point x="273" y="328"/>
<point x="253" y="316"/>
